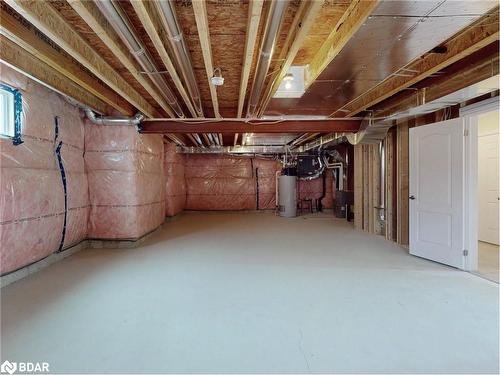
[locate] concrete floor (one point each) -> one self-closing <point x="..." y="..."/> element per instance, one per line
<point x="243" y="293"/>
<point x="488" y="261"/>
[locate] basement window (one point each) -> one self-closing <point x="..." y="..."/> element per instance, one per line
<point x="10" y="113"/>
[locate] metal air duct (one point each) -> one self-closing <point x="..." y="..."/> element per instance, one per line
<point x="108" y="120"/>
<point x="176" y="38"/>
<point x="274" y="21"/>
<point x="120" y="23"/>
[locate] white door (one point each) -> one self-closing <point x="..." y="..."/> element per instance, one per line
<point x="488" y="186"/>
<point x="436" y="192"/>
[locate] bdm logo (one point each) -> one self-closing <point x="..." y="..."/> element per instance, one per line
<point x="23" y="367"/>
<point x="8" y="367"/>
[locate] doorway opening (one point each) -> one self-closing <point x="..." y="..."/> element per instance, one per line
<point x="483" y="188"/>
<point x="488" y="195"/>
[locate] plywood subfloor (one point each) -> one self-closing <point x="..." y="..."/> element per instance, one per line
<point x="233" y="293"/>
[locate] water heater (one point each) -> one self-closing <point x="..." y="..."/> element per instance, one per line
<point x="287" y="195"/>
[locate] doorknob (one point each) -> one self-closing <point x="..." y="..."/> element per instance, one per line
<point x="412" y="197"/>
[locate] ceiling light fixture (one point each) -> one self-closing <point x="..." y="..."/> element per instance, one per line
<point x="217" y="79"/>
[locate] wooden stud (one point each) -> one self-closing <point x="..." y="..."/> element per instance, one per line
<point x="403" y="183"/>
<point x="476" y="36"/>
<point x="13" y="55"/>
<point x="19" y="34"/>
<point x="354" y="16"/>
<point x="152" y="30"/>
<point x="358" y="186"/>
<point x="200" y="14"/>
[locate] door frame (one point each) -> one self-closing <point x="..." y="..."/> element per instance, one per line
<point x="470" y="114"/>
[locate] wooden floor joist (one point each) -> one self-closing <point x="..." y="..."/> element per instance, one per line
<point x="21" y="60"/>
<point x="354" y="16"/>
<point x="55" y="27"/>
<point x="14" y="30"/>
<point x="153" y="32"/>
<point x="476" y="68"/>
<point x="304" y="19"/>
<point x="254" y="15"/>
<point x="200" y="13"/>
<point x="95" y="20"/>
<point x="476" y="36"/>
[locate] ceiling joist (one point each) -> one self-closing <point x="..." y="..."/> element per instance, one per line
<point x="14" y="30"/>
<point x="354" y="16"/>
<point x="200" y="14"/>
<point x="254" y="15"/>
<point x="304" y="19"/>
<point x="17" y="57"/>
<point x="153" y="33"/>
<point x="94" y="19"/>
<point x="476" y="36"/>
<point x="53" y="25"/>
<point x="473" y="69"/>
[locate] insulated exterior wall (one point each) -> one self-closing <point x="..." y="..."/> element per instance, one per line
<point x="126" y="181"/>
<point x="222" y="182"/>
<point x="175" y="193"/>
<point x="32" y="192"/>
<point x="313" y="189"/>
<point x="265" y="172"/>
<point x="217" y="182"/>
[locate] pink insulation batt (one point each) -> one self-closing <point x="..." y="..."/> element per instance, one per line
<point x="126" y="182"/>
<point x="175" y="192"/>
<point x="222" y="182"/>
<point x="313" y="189"/>
<point x="31" y="188"/>
<point x="218" y="182"/>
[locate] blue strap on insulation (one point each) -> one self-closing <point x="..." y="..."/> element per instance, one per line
<point x="63" y="177"/>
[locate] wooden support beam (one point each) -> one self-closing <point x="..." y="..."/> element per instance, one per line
<point x="96" y="21"/>
<point x="200" y="14"/>
<point x="354" y="16"/>
<point x="18" y="58"/>
<point x="166" y="126"/>
<point x="304" y="19"/>
<point x="477" y="67"/>
<point x="53" y="25"/>
<point x="478" y="35"/>
<point x="14" y="30"/>
<point x="152" y="28"/>
<point x="254" y="15"/>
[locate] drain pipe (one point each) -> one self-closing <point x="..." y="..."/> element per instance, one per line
<point x="109" y="120"/>
<point x="120" y="23"/>
<point x="176" y="38"/>
<point x="273" y="25"/>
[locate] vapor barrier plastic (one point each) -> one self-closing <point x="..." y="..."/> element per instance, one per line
<point x="35" y="218"/>
<point x="126" y="181"/>
<point x="222" y="182"/>
<point x="313" y="189"/>
<point x="175" y="194"/>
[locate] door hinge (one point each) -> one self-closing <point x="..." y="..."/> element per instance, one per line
<point x="466" y="132"/>
<point x="466" y="252"/>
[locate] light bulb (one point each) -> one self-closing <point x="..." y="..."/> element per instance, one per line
<point x="288" y="85"/>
